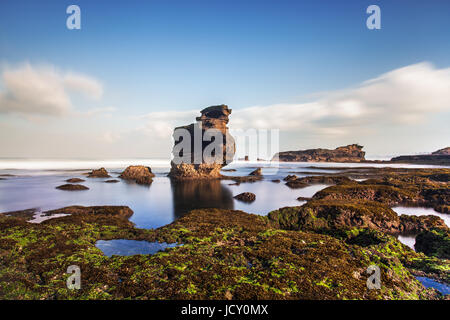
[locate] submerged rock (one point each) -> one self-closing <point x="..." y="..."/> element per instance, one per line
<point x="350" y="153"/>
<point x="191" y="160"/>
<point x="112" y="181"/>
<point x="256" y="172"/>
<point x="140" y="174"/>
<point x="75" y="180"/>
<point x="295" y="183"/>
<point x="99" y="173"/>
<point x="290" y="177"/>
<point x="246" y="197"/>
<point x="72" y="187"/>
<point x="78" y="212"/>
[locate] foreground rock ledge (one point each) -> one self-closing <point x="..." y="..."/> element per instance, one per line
<point x="226" y="255"/>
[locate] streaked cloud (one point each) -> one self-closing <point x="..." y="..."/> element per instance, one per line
<point x="44" y="90"/>
<point x="405" y="96"/>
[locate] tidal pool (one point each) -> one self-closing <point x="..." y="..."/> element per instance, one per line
<point x="430" y="283"/>
<point x="124" y="247"/>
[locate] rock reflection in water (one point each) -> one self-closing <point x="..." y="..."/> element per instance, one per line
<point x="196" y="194"/>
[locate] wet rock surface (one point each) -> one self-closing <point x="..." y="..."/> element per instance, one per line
<point x="256" y="172"/>
<point x="434" y="242"/>
<point x="99" y="173"/>
<point x="72" y="187"/>
<point x="226" y="255"/>
<point x="112" y="181"/>
<point x="246" y="197"/>
<point x="139" y="174"/>
<point x="75" y="180"/>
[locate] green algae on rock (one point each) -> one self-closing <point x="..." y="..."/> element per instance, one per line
<point x="434" y="242"/>
<point x="226" y="255"/>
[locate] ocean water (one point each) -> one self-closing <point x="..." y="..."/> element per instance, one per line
<point x="31" y="184"/>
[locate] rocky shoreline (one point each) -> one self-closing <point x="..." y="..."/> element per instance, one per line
<point x="439" y="157"/>
<point x="353" y="153"/>
<point x="350" y="153"/>
<point x="225" y="255"/>
<point x="320" y="250"/>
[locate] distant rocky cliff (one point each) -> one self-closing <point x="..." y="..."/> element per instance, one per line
<point x="439" y="157"/>
<point x="444" y="151"/>
<point x="194" y="162"/>
<point x="350" y="153"/>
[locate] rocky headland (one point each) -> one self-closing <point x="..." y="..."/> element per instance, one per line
<point x="439" y="157"/>
<point x="350" y="153"/>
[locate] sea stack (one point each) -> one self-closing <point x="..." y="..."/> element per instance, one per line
<point x="201" y="149"/>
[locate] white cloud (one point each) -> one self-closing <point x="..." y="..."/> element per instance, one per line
<point x="161" y="124"/>
<point x="44" y="90"/>
<point x="407" y="96"/>
<point x="402" y="98"/>
<point x="83" y="84"/>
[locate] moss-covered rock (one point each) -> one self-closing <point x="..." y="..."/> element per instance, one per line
<point x="318" y="214"/>
<point x="434" y="243"/>
<point x="225" y="254"/>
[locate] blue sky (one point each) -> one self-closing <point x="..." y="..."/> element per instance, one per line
<point x="152" y="56"/>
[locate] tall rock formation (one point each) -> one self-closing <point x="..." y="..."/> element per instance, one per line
<point x="201" y="149"/>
